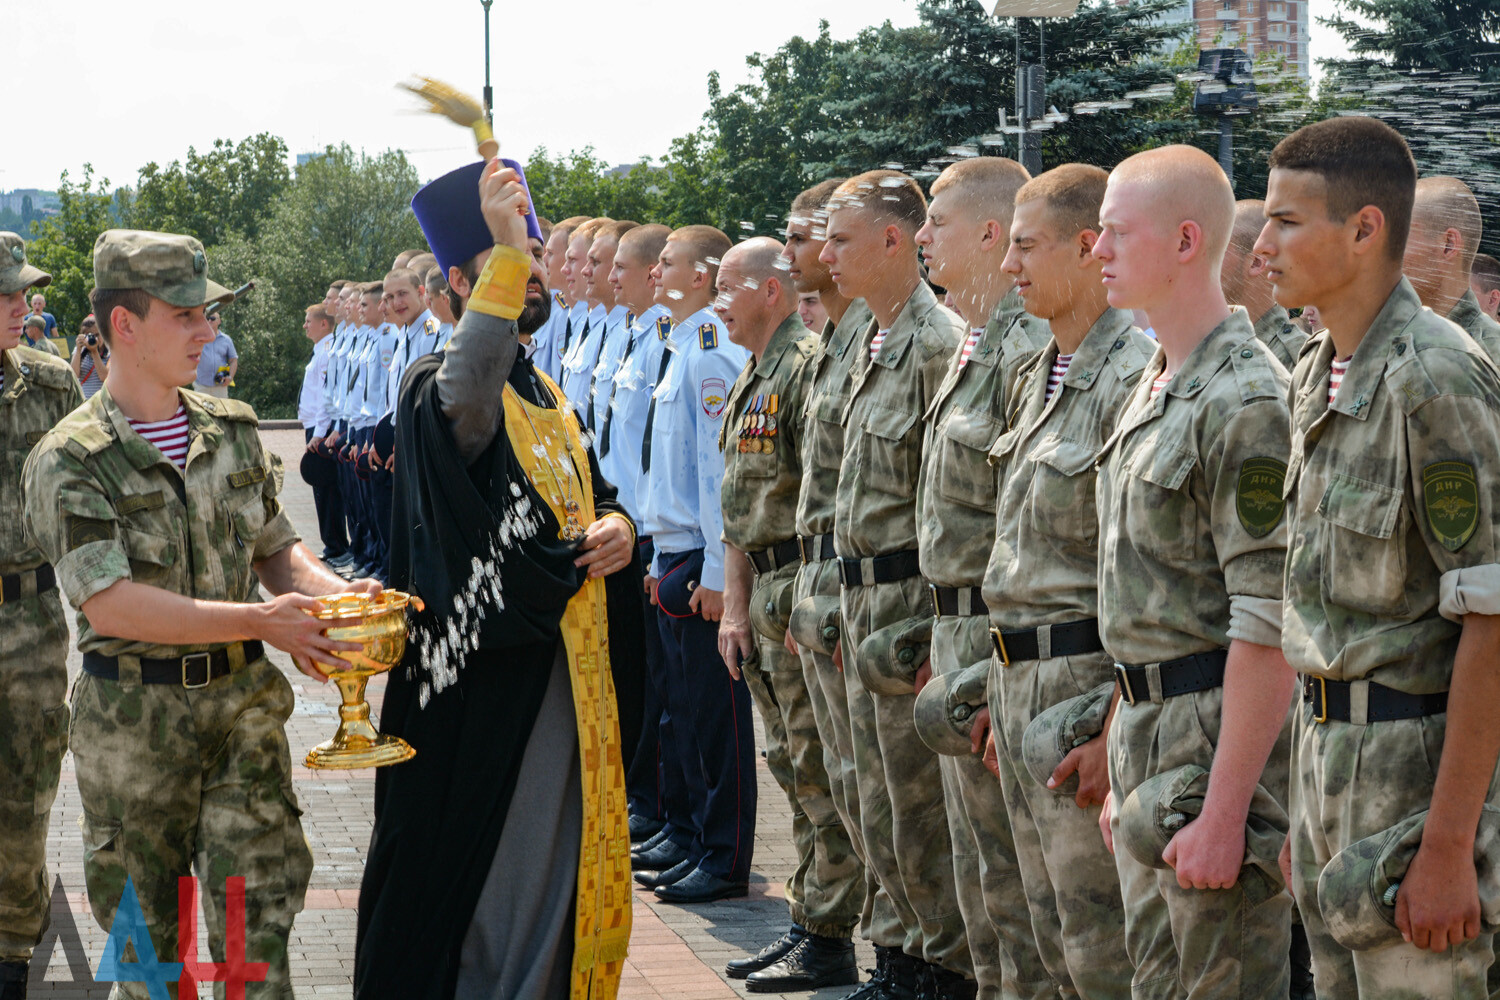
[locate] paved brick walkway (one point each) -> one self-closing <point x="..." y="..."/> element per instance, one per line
<point x="675" y="951"/>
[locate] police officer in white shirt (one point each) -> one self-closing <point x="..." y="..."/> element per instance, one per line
<point x="617" y="320"/>
<point x="313" y="411"/>
<point x="588" y="325"/>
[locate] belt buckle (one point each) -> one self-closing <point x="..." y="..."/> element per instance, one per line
<point x="932" y="592"/>
<point x="207" y="670"/>
<point x="802" y="549"/>
<point x="1321" y="717"/>
<point x="998" y="638"/>
<point x="1123" y="676"/>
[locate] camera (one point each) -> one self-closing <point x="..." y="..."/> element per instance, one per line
<point x="92" y="340"/>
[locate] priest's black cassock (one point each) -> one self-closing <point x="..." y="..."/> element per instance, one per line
<point x="439" y="817"/>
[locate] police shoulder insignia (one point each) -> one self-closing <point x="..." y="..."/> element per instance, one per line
<point x="663" y="327"/>
<point x="431" y="326"/>
<point x="83" y="530"/>
<point x="1258" y="495"/>
<point x="1450" y="493"/>
<point x="708" y="336"/>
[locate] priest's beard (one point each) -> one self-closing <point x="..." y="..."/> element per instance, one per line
<point x="537" y="309"/>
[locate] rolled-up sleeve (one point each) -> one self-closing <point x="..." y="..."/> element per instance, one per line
<point x="73" y="523"/>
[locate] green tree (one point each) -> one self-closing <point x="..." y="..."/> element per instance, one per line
<point x="230" y="188"/>
<point x="64" y="244"/>
<point x="579" y="183"/>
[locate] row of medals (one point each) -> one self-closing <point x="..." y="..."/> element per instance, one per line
<point x="758" y="425"/>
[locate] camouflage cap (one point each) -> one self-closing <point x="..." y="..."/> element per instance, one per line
<point x="771" y="608"/>
<point x="817" y="622"/>
<point x="16" y="275"/>
<point x="1056" y="731"/>
<point x="163" y="265"/>
<point x="1357" y="888"/>
<point x="888" y="658"/>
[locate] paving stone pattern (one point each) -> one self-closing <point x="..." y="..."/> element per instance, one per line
<point x="675" y="951"/>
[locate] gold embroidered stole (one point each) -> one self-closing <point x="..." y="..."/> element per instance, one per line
<point x="602" y="930"/>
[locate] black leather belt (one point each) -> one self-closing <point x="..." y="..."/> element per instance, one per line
<point x="1071" y="639"/>
<point x="194" y="670"/>
<point x="1184" y="675"/>
<point x="1330" y="700"/>
<point x="11" y="587"/>
<point x="880" y="569"/>
<point x="779" y="555"/>
<point x="816" y="548"/>
<point x="955" y="601"/>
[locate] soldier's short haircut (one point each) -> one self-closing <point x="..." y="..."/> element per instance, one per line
<point x="419" y="264"/>
<point x="1485" y="272"/>
<point x="372" y="288"/>
<point x="405" y="274"/>
<point x="644" y="243"/>
<point x="568" y="225"/>
<point x="986" y="186"/>
<point x="589" y="228"/>
<point x="436" y="281"/>
<point x="338" y="284"/>
<point x="545" y="226"/>
<point x="1249" y="220"/>
<point x="1444" y="203"/>
<point x="707" y="245"/>
<point x="103" y="302"/>
<point x="890" y="194"/>
<point x="816" y="197"/>
<point x="317" y="313"/>
<point x="614" y="229"/>
<point x="1363" y="161"/>
<point x="1072" y="192"/>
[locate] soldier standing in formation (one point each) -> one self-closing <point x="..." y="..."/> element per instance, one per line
<point x="36" y="392"/>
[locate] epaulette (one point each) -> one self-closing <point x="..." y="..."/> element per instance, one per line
<point x="1127" y="359"/>
<point x="232" y="409"/>
<point x="1254" y="371"/>
<point x="46" y="370"/>
<point x="431" y="326"/>
<point x="708" y="336"/>
<point x="663" y="327"/>
<point x="83" y="433"/>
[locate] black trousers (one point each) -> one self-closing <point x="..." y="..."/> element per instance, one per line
<point x="644" y="787"/>
<point x="329" y="503"/>
<point x="707" y="717"/>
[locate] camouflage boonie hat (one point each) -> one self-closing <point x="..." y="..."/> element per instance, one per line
<point x="945" y="709"/>
<point x="163" y="265"/>
<point x="16" y="275"/>
<point x="771" y="609"/>
<point x="1165" y="803"/>
<point x="889" y="657"/>
<point x="1055" y="732"/>
<point x="1357" y="889"/>
<point x="817" y="623"/>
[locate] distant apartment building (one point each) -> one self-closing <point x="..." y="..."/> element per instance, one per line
<point x="1257" y="26"/>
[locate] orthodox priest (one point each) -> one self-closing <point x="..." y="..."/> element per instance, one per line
<point x="499" y="865"/>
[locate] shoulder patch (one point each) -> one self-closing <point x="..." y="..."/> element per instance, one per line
<point x="1254" y="372"/>
<point x="33" y="438"/>
<point x="708" y="336"/>
<point x="712" y="395"/>
<point x="1258" y="495"/>
<point x="1450" y="493"/>
<point x="83" y="530"/>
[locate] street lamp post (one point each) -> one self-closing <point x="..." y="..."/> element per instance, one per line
<point x="489" y="95"/>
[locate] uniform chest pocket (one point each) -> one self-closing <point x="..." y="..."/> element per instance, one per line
<point x="12" y="524"/>
<point x="246" y="520"/>
<point x="1162" y="515"/>
<point x="888" y="459"/>
<point x="1363" y="546"/>
<point x="753" y="465"/>
<point x="964" y="474"/>
<point x="827" y="430"/>
<point x="1061" y="498"/>
<point x="152" y="555"/>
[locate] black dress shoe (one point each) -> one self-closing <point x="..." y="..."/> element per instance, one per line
<point x="767" y="956"/>
<point x="650" y="842"/>
<point x="652" y="879"/>
<point x="644" y="828"/>
<point x="698" y="886"/>
<point x="661" y="857"/>
<point x="814" y="963"/>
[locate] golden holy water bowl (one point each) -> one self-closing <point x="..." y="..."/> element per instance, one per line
<point x="378" y="624"/>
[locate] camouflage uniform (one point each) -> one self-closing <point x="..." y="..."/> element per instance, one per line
<point x="1485" y="331"/>
<point x="1043" y="571"/>
<point x="1394" y="535"/>
<point x="760" y="439"/>
<point x="900" y="784"/>
<point x="1285" y="338"/>
<point x="1191" y="546"/>
<point x="39" y="390"/>
<point x="174" y="778"/>
<point x="955" y="526"/>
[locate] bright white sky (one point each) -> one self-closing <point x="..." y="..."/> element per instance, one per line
<point x="124" y="84"/>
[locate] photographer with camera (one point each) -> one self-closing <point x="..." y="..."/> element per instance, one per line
<point x="218" y="363"/>
<point x="90" y="357"/>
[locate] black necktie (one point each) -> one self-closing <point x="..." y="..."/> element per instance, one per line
<point x="609" y="407"/>
<point x="661" y="371"/>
